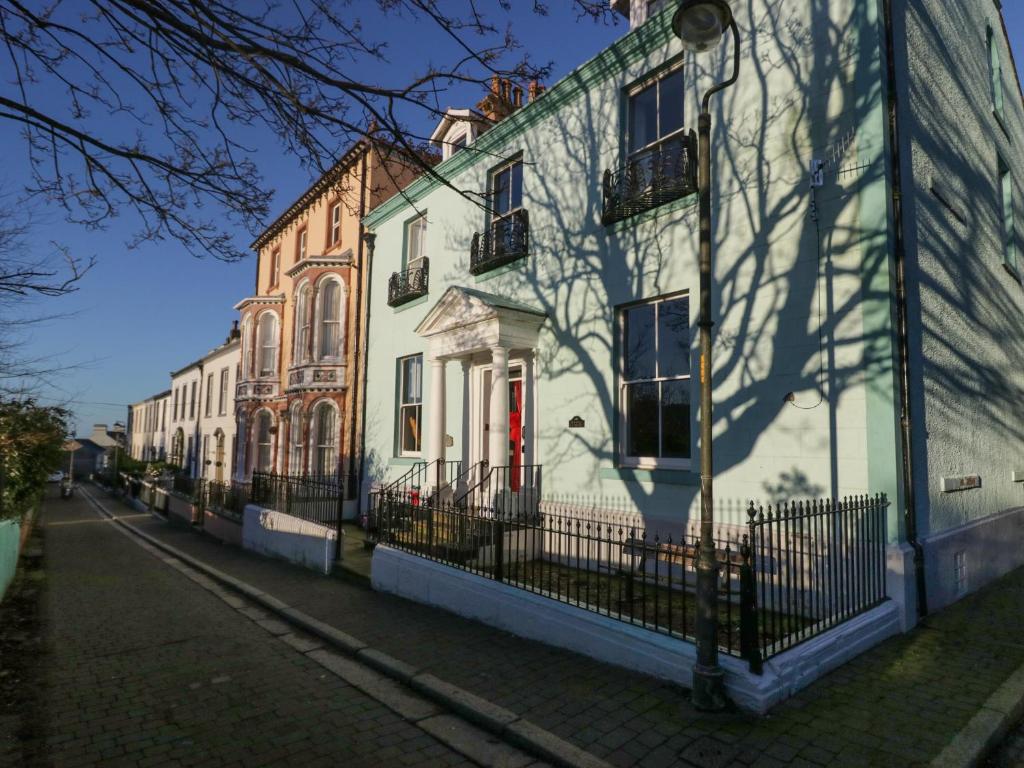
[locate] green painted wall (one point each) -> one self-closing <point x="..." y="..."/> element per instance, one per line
<point x="10" y="536"/>
<point x="790" y="278"/>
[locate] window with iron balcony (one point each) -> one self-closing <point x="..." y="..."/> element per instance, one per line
<point x="661" y="155"/>
<point x="412" y="281"/>
<point x="507" y="237"/>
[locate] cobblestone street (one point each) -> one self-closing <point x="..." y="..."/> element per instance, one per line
<point x="145" y="668"/>
<point x="146" y="662"/>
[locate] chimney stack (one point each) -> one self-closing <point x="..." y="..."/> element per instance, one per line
<point x="234" y="333"/>
<point x="536" y="89"/>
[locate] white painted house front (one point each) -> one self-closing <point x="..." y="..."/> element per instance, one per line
<point x="217" y="440"/>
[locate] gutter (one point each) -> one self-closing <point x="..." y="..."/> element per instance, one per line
<point x="903" y="344"/>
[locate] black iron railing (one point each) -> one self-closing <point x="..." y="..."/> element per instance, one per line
<point x="505" y="241"/>
<point x="658" y="175"/>
<point x="316" y="498"/>
<point x="784" y="577"/>
<point x="225" y="499"/>
<point x="816" y="564"/>
<point x="512" y="489"/>
<point x="410" y="283"/>
<point x="183" y="485"/>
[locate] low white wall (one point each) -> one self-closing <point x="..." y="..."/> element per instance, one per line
<point x="540" y="618"/>
<point x="279" y="535"/>
<point x="992" y="546"/>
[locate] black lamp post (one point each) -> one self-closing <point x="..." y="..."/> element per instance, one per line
<point x="700" y="25"/>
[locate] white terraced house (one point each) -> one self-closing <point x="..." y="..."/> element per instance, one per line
<point x="868" y="326"/>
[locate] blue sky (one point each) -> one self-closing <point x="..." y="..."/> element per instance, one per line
<point x="144" y="312"/>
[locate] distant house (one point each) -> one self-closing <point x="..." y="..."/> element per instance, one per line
<point x="88" y="458"/>
<point x="146" y="438"/>
<point x="298" y="394"/>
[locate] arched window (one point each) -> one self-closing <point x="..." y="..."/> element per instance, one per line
<point x="295" y="440"/>
<point x="325" y="423"/>
<point x="329" y="319"/>
<point x="246" y="357"/>
<point x="301" y="351"/>
<point x="267" y="341"/>
<point x="264" y="442"/>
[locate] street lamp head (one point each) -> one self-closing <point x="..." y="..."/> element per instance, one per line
<point x="700" y="24"/>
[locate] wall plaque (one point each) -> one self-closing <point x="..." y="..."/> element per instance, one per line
<point x="577" y="422"/>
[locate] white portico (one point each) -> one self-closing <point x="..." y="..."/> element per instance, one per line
<point x="495" y="340"/>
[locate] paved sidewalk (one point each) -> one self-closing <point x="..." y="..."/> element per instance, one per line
<point x="143" y="667"/>
<point x="897" y="705"/>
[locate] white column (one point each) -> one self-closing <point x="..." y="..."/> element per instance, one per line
<point x="497" y="454"/>
<point x="467" y="407"/>
<point x="435" y="432"/>
<point x="529" y="408"/>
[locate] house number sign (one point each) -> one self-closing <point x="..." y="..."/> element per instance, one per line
<point x="576" y="423"/>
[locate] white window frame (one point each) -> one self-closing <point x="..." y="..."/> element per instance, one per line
<point x="303" y="240"/>
<point x="317" y="443"/>
<point x="258" y="446"/>
<point x="648" y="462"/>
<point x="636" y="89"/>
<point x="208" y="405"/>
<point x="339" y="321"/>
<point x="295" y="442"/>
<point x="401" y="406"/>
<point x="409" y="257"/>
<point x="222" y="402"/>
<point x="493" y="183"/>
<point x="261" y="349"/>
<point x="334" y="228"/>
<point x="302" y="323"/>
<point x="247" y="348"/>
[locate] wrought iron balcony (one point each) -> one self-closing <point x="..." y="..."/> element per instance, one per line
<point x="659" y="175"/>
<point x="505" y="241"/>
<point x="410" y="283"/>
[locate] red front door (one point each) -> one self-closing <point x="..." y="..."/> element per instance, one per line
<point x="515" y="432"/>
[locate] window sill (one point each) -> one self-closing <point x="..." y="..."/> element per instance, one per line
<point x="663" y="476"/>
<point x="404" y="461"/>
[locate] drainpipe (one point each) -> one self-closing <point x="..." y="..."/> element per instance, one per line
<point x="354" y="399"/>
<point x="370" y="238"/>
<point x="903" y="344"/>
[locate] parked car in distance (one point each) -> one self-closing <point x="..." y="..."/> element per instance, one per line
<point x="56" y="477"/>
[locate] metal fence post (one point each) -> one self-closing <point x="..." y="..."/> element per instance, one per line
<point x="499" y="548"/>
<point x="749" y="648"/>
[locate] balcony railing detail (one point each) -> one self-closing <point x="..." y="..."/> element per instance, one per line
<point x="505" y="241"/>
<point x="659" y="175"/>
<point x="410" y="283"/>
